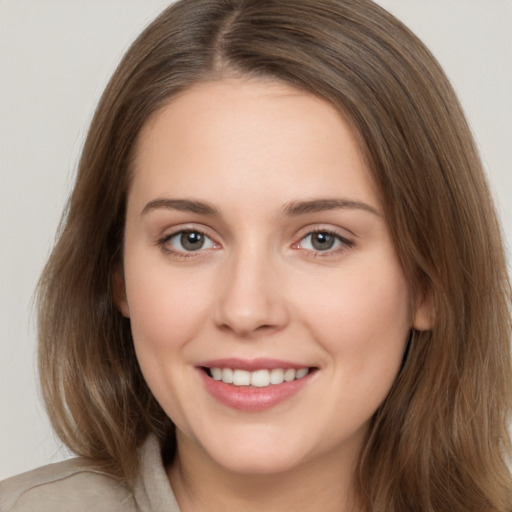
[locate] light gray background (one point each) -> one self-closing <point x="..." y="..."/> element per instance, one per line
<point x="55" y="58"/>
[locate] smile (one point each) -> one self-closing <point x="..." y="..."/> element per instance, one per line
<point x="254" y="385"/>
<point x="259" y="378"/>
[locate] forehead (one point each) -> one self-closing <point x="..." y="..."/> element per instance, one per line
<point x="231" y="132"/>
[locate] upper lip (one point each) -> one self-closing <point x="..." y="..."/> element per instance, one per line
<point x="252" y="364"/>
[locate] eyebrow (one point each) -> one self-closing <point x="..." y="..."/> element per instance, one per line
<point x="291" y="209"/>
<point x="183" y="205"/>
<point x="295" y="208"/>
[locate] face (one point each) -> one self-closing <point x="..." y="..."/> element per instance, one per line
<point x="268" y="307"/>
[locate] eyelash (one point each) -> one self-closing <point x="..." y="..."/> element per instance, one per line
<point x="343" y="243"/>
<point x="164" y="243"/>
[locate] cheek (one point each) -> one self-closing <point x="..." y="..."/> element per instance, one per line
<point x="167" y="308"/>
<point x="362" y="322"/>
<point x="363" y="326"/>
<point x="364" y="299"/>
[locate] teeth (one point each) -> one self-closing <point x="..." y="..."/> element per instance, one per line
<point x="241" y="378"/>
<point x="301" y="373"/>
<point x="276" y="376"/>
<point x="289" y="375"/>
<point x="258" y="378"/>
<point x="227" y="375"/>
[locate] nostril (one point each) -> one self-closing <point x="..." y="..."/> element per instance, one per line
<point x="266" y="327"/>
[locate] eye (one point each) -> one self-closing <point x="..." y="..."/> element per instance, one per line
<point x="188" y="241"/>
<point x="322" y="241"/>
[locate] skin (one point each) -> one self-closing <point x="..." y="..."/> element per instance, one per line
<point x="259" y="288"/>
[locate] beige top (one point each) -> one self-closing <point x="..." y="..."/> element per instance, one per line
<point x="76" y="486"/>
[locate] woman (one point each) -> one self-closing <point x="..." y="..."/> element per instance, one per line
<point x="279" y="281"/>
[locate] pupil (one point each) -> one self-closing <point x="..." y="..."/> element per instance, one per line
<point x="322" y="241"/>
<point x="191" y="240"/>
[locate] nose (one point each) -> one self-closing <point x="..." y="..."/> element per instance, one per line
<point x="252" y="296"/>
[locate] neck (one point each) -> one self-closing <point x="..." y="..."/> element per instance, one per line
<point x="200" y="484"/>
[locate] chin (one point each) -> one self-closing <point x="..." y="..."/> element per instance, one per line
<point x="259" y="452"/>
<point x="246" y="462"/>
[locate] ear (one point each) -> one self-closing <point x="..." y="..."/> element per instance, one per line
<point x="119" y="290"/>
<point x="423" y="313"/>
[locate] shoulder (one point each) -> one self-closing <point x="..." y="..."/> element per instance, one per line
<point x="74" y="485"/>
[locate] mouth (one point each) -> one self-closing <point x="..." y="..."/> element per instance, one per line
<point x="256" y="385"/>
<point x="260" y="378"/>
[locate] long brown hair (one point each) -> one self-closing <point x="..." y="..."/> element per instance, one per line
<point x="440" y="440"/>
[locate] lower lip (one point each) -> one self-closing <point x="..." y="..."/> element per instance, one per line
<point x="252" y="399"/>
